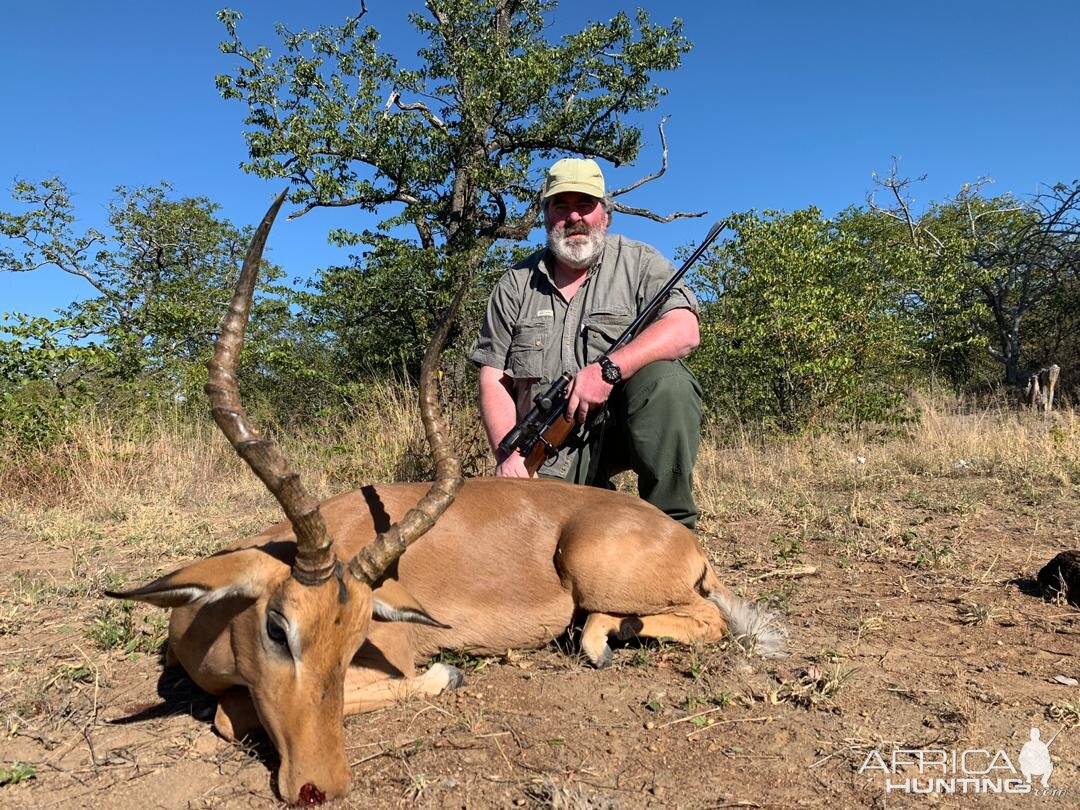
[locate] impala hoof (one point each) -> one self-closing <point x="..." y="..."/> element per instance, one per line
<point x="451" y="677"/>
<point x="602" y="661"/>
<point x="455" y="678"/>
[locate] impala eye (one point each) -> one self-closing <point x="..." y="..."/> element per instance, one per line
<point x="275" y="629"/>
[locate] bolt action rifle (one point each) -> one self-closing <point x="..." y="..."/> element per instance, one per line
<point x="544" y="429"/>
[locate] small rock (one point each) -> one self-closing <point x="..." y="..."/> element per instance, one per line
<point x="650" y="725"/>
<point x="1065" y="680"/>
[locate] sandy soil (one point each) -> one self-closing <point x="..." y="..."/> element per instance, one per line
<point x="918" y="629"/>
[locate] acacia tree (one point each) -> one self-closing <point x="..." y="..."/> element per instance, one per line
<point x="445" y="147"/>
<point x="158" y="281"/>
<point x="986" y="263"/>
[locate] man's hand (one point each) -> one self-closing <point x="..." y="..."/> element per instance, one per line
<point x="512" y="466"/>
<point x="587" y="392"/>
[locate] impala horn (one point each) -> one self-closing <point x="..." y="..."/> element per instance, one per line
<point x="315" y="561"/>
<point x="372" y="560"/>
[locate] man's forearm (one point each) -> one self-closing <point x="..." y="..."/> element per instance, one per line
<point x="497" y="407"/>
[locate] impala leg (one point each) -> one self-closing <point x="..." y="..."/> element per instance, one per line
<point x="362" y="694"/>
<point x="383" y="673"/>
<point x="236" y="717"/>
<point x="698" y="622"/>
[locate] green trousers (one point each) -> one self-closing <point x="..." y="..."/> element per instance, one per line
<point x="653" y="428"/>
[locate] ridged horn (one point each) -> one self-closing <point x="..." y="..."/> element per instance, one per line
<point x="314" y="558"/>
<point x="372" y="561"/>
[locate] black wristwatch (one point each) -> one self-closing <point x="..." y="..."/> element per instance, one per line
<point x="609" y="371"/>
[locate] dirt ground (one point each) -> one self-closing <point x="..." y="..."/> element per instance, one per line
<point x="914" y="626"/>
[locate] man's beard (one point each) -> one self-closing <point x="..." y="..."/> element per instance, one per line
<point x="577" y="254"/>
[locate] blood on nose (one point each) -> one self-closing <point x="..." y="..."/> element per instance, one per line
<point x="309" y="794"/>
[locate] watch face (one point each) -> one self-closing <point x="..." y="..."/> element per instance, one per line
<point x="610" y="372"/>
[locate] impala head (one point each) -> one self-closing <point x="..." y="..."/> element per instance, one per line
<point x="284" y="619"/>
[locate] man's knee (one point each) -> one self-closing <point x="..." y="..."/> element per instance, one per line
<point x="664" y="385"/>
<point x="666" y="399"/>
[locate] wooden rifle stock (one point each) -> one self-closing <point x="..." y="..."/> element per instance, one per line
<point x="554" y="437"/>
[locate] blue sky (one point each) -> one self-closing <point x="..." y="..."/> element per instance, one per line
<point x="780" y="105"/>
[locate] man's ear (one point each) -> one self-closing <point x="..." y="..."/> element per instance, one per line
<point x="239" y="573"/>
<point x="392" y="603"/>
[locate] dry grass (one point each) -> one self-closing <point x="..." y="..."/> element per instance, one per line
<point x="860" y="489"/>
<point x="171" y="488"/>
<point x="784" y="476"/>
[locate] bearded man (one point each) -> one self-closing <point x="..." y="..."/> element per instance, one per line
<point x="561" y="310"/>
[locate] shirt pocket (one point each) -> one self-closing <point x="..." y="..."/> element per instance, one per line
<point x="603" y="327"/>
<point x="525" y="357"/>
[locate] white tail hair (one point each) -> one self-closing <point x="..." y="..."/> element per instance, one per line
<point x="757" y="629"/>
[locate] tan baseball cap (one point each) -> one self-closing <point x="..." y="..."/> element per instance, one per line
<point x="574" y="174"/>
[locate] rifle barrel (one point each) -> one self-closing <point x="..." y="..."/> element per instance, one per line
<point x="669" y="285"/>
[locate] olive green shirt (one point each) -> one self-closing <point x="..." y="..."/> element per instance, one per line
<point x="533" y="334"/>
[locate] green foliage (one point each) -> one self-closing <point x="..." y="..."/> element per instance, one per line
<point x="339" y="116"/>
<point x="982" y="268"/>
<point x="160" y="279"/>
<point x="800" y="328"/>
<point x="16" y="772"/>
<point x="948" y="319"/>
<point x="374" y="316"/>
<point x="1053" y="332"/>
<point x="45" y="375"/>
<point x="114" y="627"/>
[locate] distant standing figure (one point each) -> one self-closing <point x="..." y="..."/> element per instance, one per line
<point x="1040" y="388"/>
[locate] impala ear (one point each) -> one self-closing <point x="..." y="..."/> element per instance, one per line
<point x="392" y="603"/>
<point x="230" y="574"/>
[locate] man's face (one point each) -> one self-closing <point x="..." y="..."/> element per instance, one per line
<point x="576" y="225"/>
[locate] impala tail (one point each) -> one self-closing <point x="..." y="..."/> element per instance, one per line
<point x="755" y="627"/>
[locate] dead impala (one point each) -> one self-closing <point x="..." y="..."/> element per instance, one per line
<point x="326" y="614"/>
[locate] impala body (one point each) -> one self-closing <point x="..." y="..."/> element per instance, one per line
<point x="509" y="565"/>
<point x="329" y="613"/>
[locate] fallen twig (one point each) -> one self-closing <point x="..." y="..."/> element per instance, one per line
<point x="790" y="573"/>
<point x="764" y="718"/>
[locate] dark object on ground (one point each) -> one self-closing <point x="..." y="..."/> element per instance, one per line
<point x="1061" y="577"/>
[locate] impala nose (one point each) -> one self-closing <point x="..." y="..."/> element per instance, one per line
<point x="309" y="794"/>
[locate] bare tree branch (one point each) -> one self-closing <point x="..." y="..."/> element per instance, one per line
<point x="656" y="175"/>
<point x="643" y="212"/>
<point x="417" y="106"/>
<point x="520" y="227"/>
<point x="377" y="199"/>
<point x="897" y="187"/>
